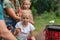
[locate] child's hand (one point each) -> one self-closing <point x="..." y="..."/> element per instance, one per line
<point x="19" y="12"/>
<point x="31" y="21"/>
<point x="33" y="38"/>
<point x="18" y="30"/>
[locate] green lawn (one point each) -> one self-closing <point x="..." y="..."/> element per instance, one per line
<point x="41" y="23"/>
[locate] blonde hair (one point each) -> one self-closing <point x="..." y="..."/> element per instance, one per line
<point x="23" y="2"/>
<point x="25" y="12"/>
<point x="28" y="13"/>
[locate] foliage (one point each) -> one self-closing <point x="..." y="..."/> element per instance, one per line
<point x="47" y="10"/>
<point x="40" y="24"/>
<point x="44" y="5"/>
<point x="57" y="14"/>
<point x="48" y="15"/>
<point x="34" y="11"/>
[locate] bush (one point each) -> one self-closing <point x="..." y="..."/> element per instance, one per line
<point x="34" y="11"/>
<point x="57" y="14"/>
<point x="48" y="15"/>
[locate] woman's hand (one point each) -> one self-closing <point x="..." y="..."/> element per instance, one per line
<point x="32" y="22"/>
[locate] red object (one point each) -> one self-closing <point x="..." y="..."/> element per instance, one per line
<point x="52" y="35"/>
<point x="52" y="32"/>
<point x="29" y="39"/>
<point x="19" y="12"/>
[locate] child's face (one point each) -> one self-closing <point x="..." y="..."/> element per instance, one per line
<point x="26" y="4"/>
<point x="25" y="18"/>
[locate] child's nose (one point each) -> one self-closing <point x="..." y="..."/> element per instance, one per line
<point x="25" y="18"/>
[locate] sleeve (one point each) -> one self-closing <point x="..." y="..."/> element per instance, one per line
<point x="17" y="3"/>
<point x="32" y="27"/>
<point x="6" y="4"/>
<point x="1" y="12"/>
<point x="18" y="25"/>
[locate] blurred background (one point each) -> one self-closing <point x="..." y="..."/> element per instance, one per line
<point x="45" y="11"/>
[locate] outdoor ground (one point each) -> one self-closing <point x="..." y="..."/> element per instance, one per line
<point x="40" y="35"/>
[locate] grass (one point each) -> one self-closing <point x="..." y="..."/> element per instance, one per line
<point x="41" y="23"/>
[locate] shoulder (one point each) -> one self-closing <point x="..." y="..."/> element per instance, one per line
<point x="7" y="4"/>
<point x="6" y="1"/>
<point x="18" y="25"/>
<point x="20" y="22"/>
<point x="30" y="11"/>
<point x="31" y="27"/>
<point x="17" y="3"/>
<point x="30" y="24"/>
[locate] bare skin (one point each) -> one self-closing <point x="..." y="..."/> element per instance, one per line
<point x="4" y="32"/>
<point x="11" y="12"/>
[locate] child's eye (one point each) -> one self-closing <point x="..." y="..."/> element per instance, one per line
<point x="23" y="17"/>
<point x="27" y="18"/>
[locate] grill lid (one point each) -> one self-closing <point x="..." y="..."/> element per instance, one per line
<point x="53" y="27"/>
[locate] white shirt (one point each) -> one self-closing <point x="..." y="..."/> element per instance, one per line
<point x="24" y="30"/>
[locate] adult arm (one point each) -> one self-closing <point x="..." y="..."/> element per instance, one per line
<point x="12" y="13"/>
<point x="7" y="5"/>
<point x="5" y="33"/>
